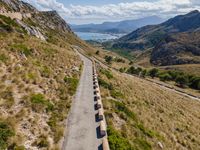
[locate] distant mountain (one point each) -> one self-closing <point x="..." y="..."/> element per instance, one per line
<point x="171" y="41"/>
<point x="126" y="26"/>
<point x="149" y="36"/>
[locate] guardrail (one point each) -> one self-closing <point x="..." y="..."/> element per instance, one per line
<point x="99" y="107"/>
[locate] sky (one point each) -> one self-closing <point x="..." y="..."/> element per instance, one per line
<point x="98" y="11"/>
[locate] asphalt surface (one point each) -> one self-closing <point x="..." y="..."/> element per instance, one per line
<point x="82" y="128"/>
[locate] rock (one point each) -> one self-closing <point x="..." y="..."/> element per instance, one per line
<point x="160" y="145"/>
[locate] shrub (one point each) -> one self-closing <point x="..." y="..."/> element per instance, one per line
<point x="117" y="141"/>
<point x="119" y="60"/>
<point x="116" y="94"/>
<point x="153" y="72"/>
<point x="122" y="70"/>
<point x="165" y="77"/>
<point x="39" y="99"/>
<point x="105" y="84"/>
<point x="72" y="84"/>
<point x="107" y="73"/>
<point x="45" y="71"/>
<point x="3" y="58"/>
<point x="195" y="83"/>
<point x="5" y="133"/>
<point x="108" y="59"/>
<point x="142" y="144"/>
<point x="134" y="70"/>
<point x="181" y="80"/>
<point x="22" y="49"/>
<point x="144" y="73"/>
<point x="42" y="142"/>
<point x="120" y="107"/>
<point x="97" y="52"/>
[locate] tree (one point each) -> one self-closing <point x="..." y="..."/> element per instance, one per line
<point x="195" y="83"/>
<point x="153" y="72"/>
<point x="143" y="73"/>
<point x="108" y="59"/>
<point x="165" y="77"/>
<point x="181" y="80"/>
<point x="97" y="52"/>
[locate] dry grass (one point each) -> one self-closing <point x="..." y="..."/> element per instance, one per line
<point x="29" y="66"/>
<point x="193" y="69"/>
<point x="149" y="114"/>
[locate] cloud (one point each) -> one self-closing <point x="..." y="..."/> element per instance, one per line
<point x="163" y="8"/>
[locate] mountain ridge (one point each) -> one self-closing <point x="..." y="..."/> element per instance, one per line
<point x="125" y="26"/>
<point x="151" y="36"/>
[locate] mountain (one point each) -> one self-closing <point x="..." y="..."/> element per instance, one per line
<point x="181" y="48"/>
<point x="117" y="27"/>
<point x="39" y="75"/>
<point x="148" y="36"/>
<point x="157" y="37"/>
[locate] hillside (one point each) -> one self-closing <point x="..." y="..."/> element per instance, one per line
<point x="125" y="26"/>
<point x="145" y="116"/>
<point x="156" y="36"/>
<point x="39" y="75"/>
<point x="182" y="48"/>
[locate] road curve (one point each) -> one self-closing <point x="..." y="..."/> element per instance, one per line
<point x="82" y="127"/>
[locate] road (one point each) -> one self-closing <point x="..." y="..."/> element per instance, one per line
<point x="160" y="84"/>
<point x="82" y="127"/>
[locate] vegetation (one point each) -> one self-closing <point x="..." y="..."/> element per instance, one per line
<point x="180" y="78"/>
<point x="22" y="49"/>
<point x="108" y="59"/>
<point x="5" y="133"/>
<point x="117" y="141"/>
<point x="107" y="73"/>
<point x="72" y="84"/>
<point x="39" y="100"/>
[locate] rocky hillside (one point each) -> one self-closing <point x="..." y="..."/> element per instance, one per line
<point x="154" y="36"/>
<point x="182" y="48"/>
<point x="16" y="6"/>
<point x="39" y="73"/>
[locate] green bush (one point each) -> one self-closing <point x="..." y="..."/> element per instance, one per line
<point x="97" y="52"/>
<point x="42" y="142"/>
<point x="117" y="141"/>
<point x="134" y="70"/>
<point x="45" y="71"/>
<point x="108" y="59"/>
<point x="195" y="83"/>
<point x="39" y="99"/>
<point x="116" y="94"/>
<point x="107" y="73"/>
<point x="105" y="84"/>
<point x="72" y="84"/>
<point x="153" y="72"/>
<point x="182" y="80"/>
<point x="120" y="107"/>
<point x="142" y="144"/>
<point x="22" y="49"/>
<point x="3" y="58"/>
<point x="165" y="77"/>
<point x="5" y="133"/>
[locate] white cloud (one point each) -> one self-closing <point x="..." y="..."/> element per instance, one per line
<point x="162" y="8"/>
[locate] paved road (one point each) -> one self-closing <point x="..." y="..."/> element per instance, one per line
<point x="160" y="84"/>
<point x="82" y="126"/>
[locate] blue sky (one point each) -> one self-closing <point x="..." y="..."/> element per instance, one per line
<point x="98" y="11"/>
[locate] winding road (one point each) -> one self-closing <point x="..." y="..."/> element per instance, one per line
<point x="82" y="127"/>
